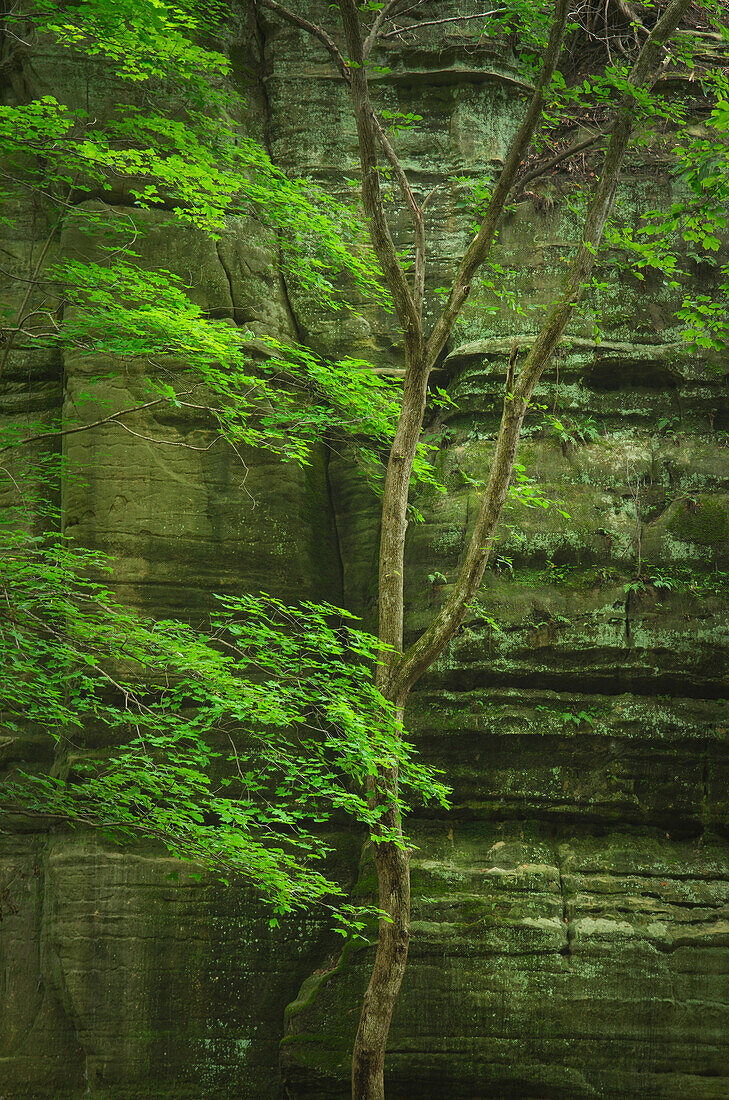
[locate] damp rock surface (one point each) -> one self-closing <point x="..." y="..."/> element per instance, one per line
<point x="570" y="933"/>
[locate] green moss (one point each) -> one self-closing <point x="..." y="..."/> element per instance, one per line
<point x="705" y="522"/>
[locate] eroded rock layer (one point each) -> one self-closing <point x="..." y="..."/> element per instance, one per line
<point x="571" y="917"/>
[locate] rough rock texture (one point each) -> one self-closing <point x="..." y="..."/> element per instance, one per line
<point x="571" y="917"/>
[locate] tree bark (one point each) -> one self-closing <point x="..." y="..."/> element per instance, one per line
<point x="392" y="861"/>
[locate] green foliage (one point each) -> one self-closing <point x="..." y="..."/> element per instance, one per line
<point x="399" y="120"/>
<point x="578" y="719"/>
<point x="571" y="432"/>
<point x="194" y="161"/>
<point x="437" y="578"/>
<point x="660" y="580"/>
<point x="226" y="744"/>
<point x="693" y="227"/>
<point x="259" y="391"/>
<point x="523" y="490"/>
<point x="231" y="743"/>
<point x="704" y="169"/>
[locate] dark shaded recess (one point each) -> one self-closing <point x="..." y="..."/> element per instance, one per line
<point x="637" y="680"/>
<point x="612" y="374"/>
<point x="721" y="415"/>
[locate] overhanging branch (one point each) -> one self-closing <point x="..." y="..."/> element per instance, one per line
<point x="311" y="28"/>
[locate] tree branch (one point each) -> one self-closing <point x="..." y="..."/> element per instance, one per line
<point x="382" y="16"/>
<point x="32" y="282"/>
<point x="410" y="200"/>
<point x="88" y="427"/>
<point x="427" y="648"/>
<point x="416" y="214"/>
<point x="449" y="19"/>
<point x="369" y="134"/>
<point x="312" y="29"/>
<point x="565" y="155"/>
<point x="480" y="246"/>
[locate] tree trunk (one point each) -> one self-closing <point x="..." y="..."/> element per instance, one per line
<point x="397" y="672"/>
<point x="368" y="1058"/>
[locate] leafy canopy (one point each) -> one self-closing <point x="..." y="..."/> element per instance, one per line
<point x="227" y="744"/>
<point x="233" y="742"/>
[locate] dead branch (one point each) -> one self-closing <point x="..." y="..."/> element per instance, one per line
<point x="541" y="169"/>
<point x="93" y="424"/>
<point x="437" y="22"/>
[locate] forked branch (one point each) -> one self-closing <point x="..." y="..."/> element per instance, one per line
<point x="370" y="135"/>
<point x="480" y="246"/>
<point x="566" y="154"/>
<point x="427" y="648"/>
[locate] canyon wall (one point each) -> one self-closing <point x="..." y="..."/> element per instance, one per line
<point x="571" y="911"/>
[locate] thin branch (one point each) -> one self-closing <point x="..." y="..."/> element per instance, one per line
<point x="169" y="442"/>
<point x="394" y="160"/>
<point x="480" y="246"/>
<point x="312" y="29"/>
<point x="429" y="196"/>
<point x="32" y="282"/>
<point x="382" y="16"/>
<point x="88" y="427"/>
<point x="565" y="155"/>
<point x="450" y="19"/>
<point x="346" y="73"/>
<point x="416" y="214"/>
<point x="369" y="135"/>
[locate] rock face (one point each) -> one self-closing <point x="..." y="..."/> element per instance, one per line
<point x="571" y="913"/>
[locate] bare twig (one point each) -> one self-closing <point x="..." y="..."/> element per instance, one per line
<point x="87" y="427"/>
<point x="555" y="160"/>
<point x="168" y="442"/>
<point x="32" y="282"/>
<point x="437" y="22"/>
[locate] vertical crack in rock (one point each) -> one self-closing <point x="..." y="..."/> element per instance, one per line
<point x="229" y="276"/>
<point x="298" y="331"/>
<point x="567" y="949"/>
<point x="335" y="521"/>
<point x="267" y="115"/>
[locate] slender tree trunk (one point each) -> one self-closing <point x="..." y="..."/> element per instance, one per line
<point x="398" y="671"/>
<point x="392" y="861"/>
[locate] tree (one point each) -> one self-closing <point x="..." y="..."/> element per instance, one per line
<point x="352" y="50"/>
<point x="360" y="29"/>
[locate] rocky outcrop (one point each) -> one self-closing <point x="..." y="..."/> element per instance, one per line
<point x="571" y="925"/>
